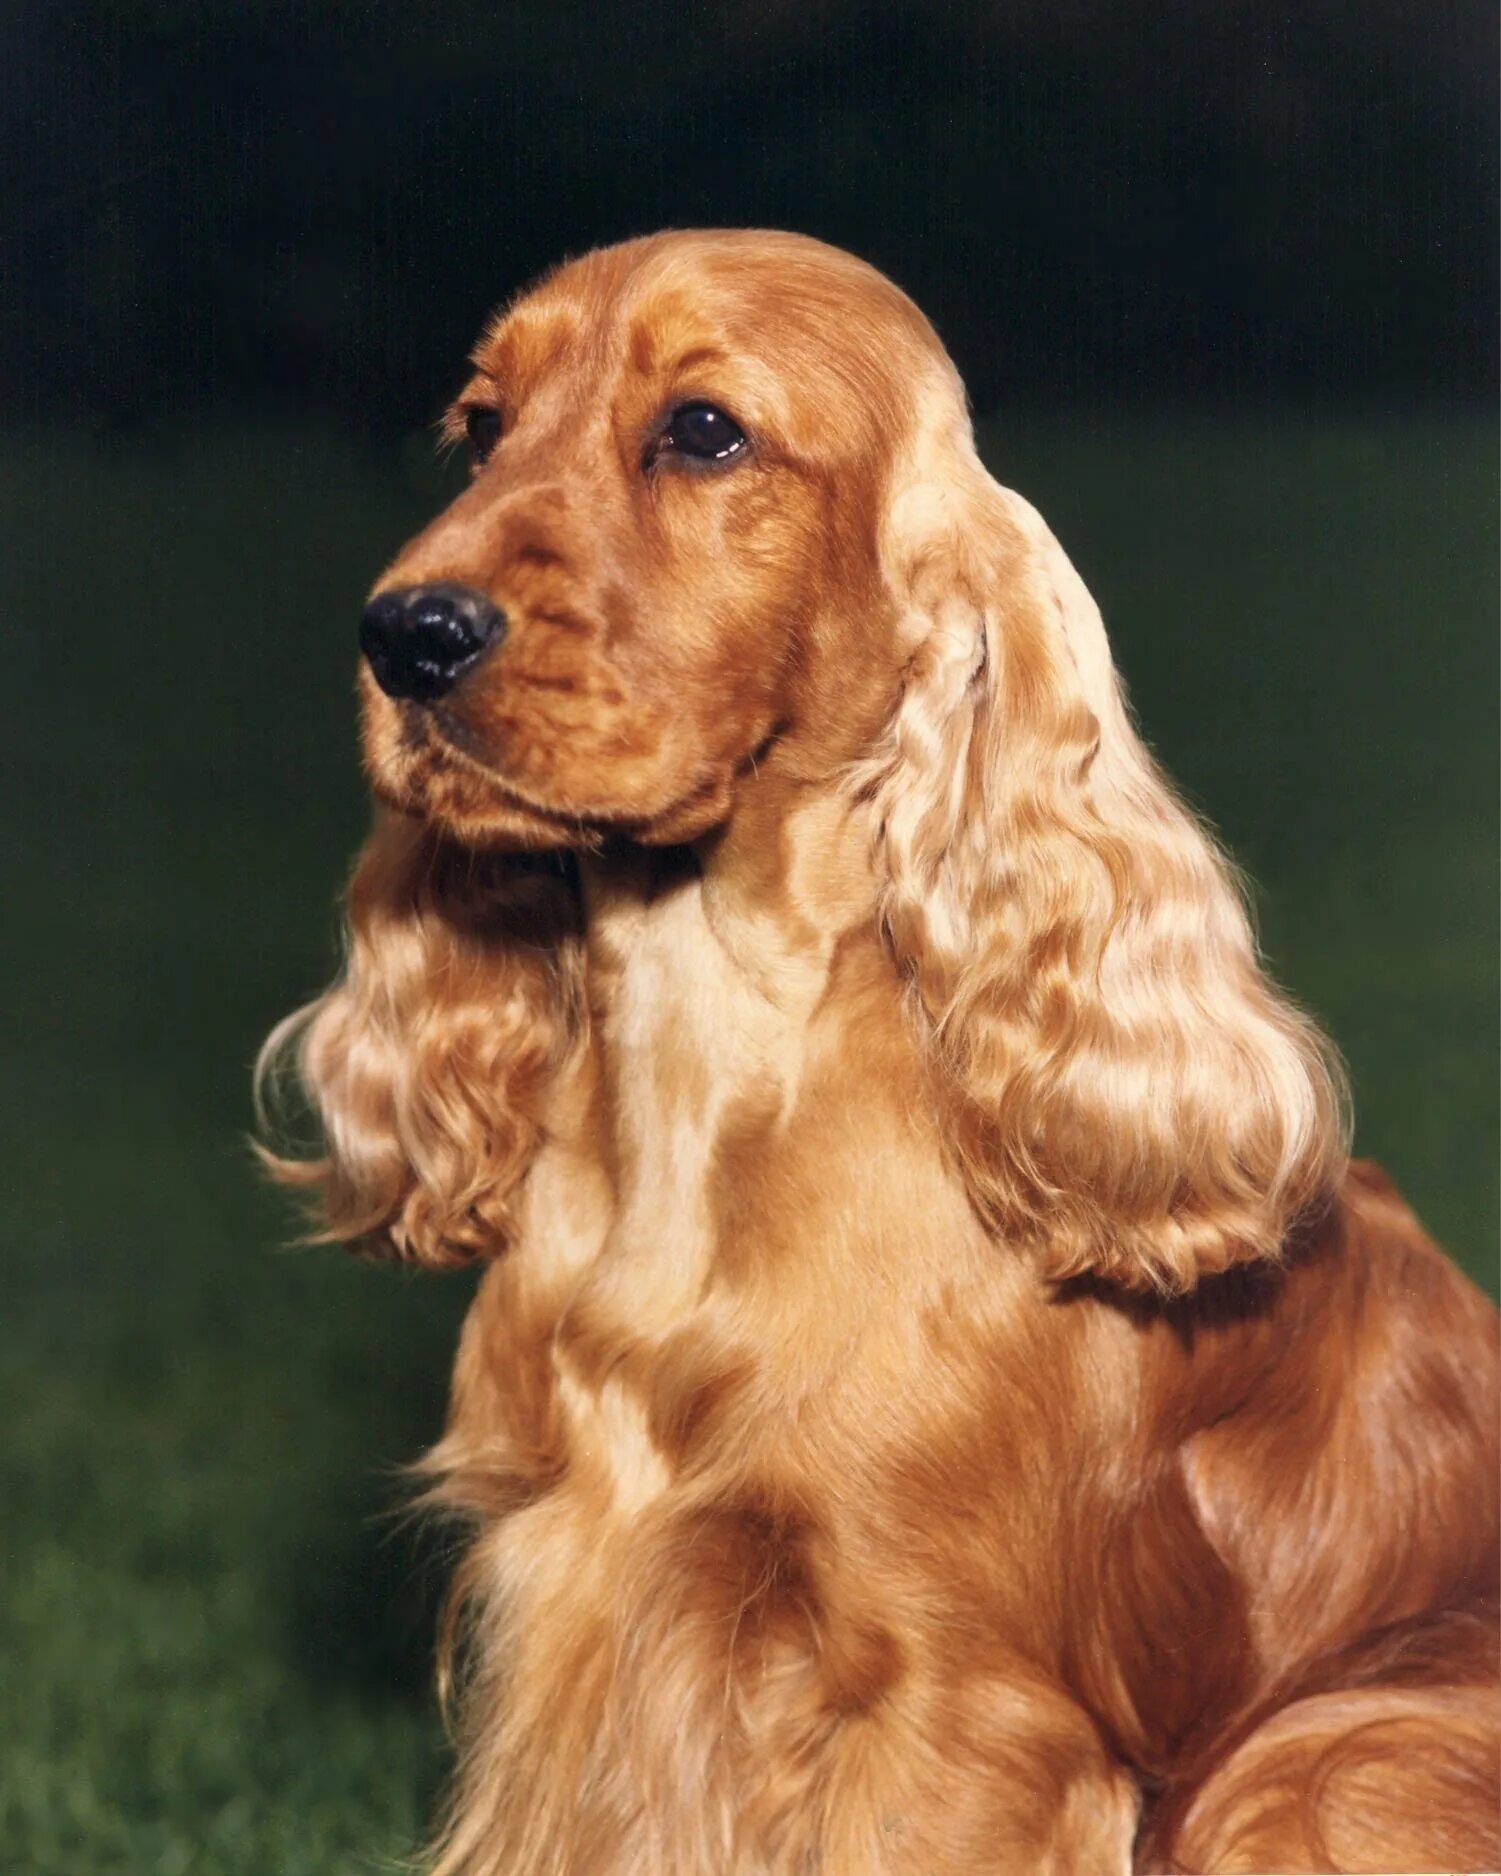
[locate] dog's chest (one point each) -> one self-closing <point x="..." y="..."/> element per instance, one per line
<point x="656" y="1594"/>
<point x="618" y="1468"/>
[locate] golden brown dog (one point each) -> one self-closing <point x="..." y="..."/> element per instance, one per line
<point x="937" y="1398"/>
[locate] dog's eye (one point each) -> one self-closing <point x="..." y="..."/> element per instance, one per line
<point x="482" y="427"/>
<point x="701" y="431"/>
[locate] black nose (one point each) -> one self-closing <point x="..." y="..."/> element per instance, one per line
<point x="420" y="640"/>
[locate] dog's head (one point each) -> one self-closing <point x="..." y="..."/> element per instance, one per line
<point x="667" y="558"/>
<point x="727" y="530"/>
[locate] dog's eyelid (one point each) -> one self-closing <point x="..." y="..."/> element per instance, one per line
<point x="483" y="425"/>
<point x="700" y="433"/>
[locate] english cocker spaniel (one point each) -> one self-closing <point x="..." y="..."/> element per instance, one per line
<point x="938" y="1399"/>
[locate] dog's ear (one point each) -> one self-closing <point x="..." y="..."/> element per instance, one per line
<point x="1127" y="1092"/>
<point x="428" y="1062"/>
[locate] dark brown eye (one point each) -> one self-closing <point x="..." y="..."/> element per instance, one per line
<point x="482" y="427"/>
<point x="701" y="431"/>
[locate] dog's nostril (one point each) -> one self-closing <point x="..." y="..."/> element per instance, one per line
<point x="380" y="626"/>
<point x="420" y="640"/>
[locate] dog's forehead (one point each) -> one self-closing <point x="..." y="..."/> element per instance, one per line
<point x="676" y="301"/>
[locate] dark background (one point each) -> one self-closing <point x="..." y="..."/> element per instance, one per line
<point x="1222" y="200"/>
<point x="1221" y="278"/>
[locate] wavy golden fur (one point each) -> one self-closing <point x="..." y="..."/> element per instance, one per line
<point x="937" y="1398"/>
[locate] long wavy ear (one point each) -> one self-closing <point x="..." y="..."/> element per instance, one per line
<point x="427" y="1064"/>
<point x="1127" y="1093"/>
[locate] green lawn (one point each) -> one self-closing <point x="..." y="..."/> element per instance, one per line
<point x="215" y="1644"/>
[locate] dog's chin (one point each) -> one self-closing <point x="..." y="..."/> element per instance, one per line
<point x="430" y="777"/>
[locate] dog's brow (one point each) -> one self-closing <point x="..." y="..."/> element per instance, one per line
<point x="699" y="355"/>
<point x="524" y="344"/>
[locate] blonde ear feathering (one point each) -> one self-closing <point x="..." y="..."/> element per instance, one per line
<point x="427" y="1063"/>
<point x="1128" y="1093"/>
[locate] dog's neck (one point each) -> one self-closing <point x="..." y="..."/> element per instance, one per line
<point x="761" y="907"/>
<point x="719" y="984"/>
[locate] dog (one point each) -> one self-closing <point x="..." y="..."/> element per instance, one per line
<point x="938" y="1397"/>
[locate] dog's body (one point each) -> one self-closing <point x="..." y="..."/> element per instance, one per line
<point x="816" y="1536"/>
<point x="937" y="1402"/>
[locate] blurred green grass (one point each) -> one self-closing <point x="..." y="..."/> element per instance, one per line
<point x="216" y="1647"/>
